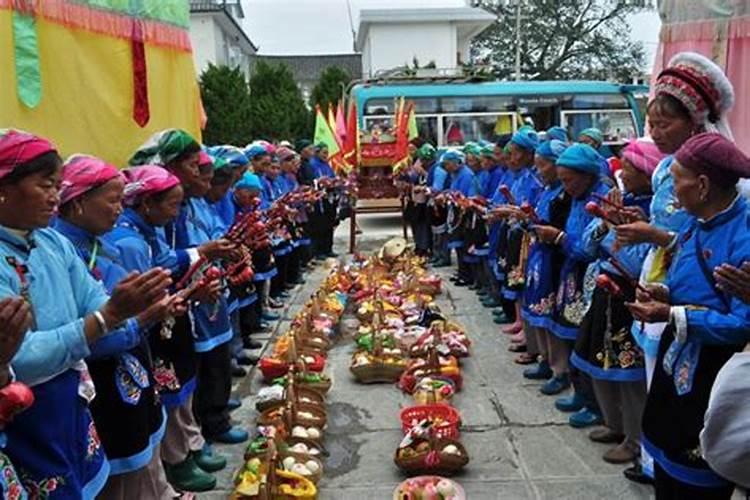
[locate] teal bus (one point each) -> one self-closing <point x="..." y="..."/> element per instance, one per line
<point x="454" y="112"/>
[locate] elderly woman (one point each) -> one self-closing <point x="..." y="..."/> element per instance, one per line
<point x="153" y="198"/>
<point x="692" y="95"/>
<point x="55" y="446"/>
<point x="129" y="418"/>
<point x="543" y="267"/>
<point x="525" y="188"/>
<point x="605" y="349"/>
<point x="705" y="325"/>
<point x="578" y="170"/>
<point x="194" y="229"/>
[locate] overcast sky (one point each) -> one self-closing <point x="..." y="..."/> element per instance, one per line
<point x="283" y="27"/>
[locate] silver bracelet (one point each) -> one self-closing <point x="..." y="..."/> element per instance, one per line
<point x="559" y="237"/>
<point x="99" y="317"/>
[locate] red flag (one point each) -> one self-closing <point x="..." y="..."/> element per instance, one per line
<point x="402" y="134"/>
<point x="340" y="123"/>
<point x="351" y="138"/>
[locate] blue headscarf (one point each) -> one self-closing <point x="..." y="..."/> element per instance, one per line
<point x="558" y="133"/>
<point x="526" y="138"/>
<point x="249" y="181"/>
<point x="581" y="157"/>
<point x="255" y="150"/>
<point x="231" y="154"/>
<point x="593" y="133"/>
<point x="452" y="155"/>
<point x="551" y="149"/>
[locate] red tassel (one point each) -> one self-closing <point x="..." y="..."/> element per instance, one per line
<point x="141" y="111"/>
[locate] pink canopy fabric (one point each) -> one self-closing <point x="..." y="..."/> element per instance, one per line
<point x="719" y="31"/>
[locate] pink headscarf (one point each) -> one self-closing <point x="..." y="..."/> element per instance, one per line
<point x="205" y="159"/>
<point x="146" y="180"/>
<point x="18" y="147"/>
<point x="82" y="173"/>
<point x="643" y="155"/>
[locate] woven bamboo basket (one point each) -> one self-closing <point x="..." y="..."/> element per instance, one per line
<point x="438" y="462"/>
<point x="377" y="371"/>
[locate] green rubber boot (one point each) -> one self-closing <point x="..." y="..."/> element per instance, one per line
<point x="207" y="460"/>
<point x="187" y="476"/>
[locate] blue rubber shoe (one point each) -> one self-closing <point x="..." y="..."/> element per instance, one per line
<point x="235" y="435"/>
<point x="233" y="404"/>
<point x="207" y="460"/>
<point x="541" y="371"/>
<point x="556" y="385"/>
<point x="585" y="418"/>
<point x="271" y="316"/>
<point x="569" y="403"/>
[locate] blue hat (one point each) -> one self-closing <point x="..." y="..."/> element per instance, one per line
<point x="558" y="133"/>
<point x="452" y="155"/>
<point x="551" y="149"/>
<point x="249" y="181"/>
<point x="581" y="157"/>
<point x="231" y="154"/>
<point x="593" y="133"/>
<point x="255" y="150"/>
<point x="526" y="138"/>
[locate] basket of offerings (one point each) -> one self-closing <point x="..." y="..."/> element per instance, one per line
<point x="295" y="414"/>
<point x="285" y="355"/>
<point x="442" y="421"/>
<point x="429" y="488"/>
<point x="303" y="379"/>
<point x="432" y="390"/>
<point x="264" y="478"/>
<point x="277" y="395"/>
<point x="431" y="455"/>
<point x="382" y="365"/>
<point x="453" y="342"/>
<point x="430" y="366"/>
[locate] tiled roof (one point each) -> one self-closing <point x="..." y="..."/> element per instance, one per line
<point x="305" y="68"/>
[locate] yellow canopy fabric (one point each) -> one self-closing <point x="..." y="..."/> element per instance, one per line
<point x="87" y="91"/>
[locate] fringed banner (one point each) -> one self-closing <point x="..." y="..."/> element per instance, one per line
<point x="165" y="23"/>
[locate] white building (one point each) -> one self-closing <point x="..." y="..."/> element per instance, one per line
<point x="217" y="35"/>
<point x="391" y="38"/>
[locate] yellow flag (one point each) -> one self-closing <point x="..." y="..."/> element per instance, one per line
<point x="323" y="133"/>
<point x="413" y="130"/>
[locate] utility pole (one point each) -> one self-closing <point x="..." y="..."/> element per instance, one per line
<point x="519" y="4"/>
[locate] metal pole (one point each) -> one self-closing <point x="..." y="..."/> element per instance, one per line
<point x="518" y="39"/>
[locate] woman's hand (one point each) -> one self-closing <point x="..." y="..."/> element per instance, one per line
<point x="218" y="249"/>
<point x="653" y="291"/>
<point x="650" y="312"/>
<point x="161" y="310"/>
<point x="637" y="232"/>
<point x="208" y="292"/>
<point x="135" y="294"/>
<point x="734" y="280"/>
<point x="16" y="318"/>
<point x="546" y="234"/>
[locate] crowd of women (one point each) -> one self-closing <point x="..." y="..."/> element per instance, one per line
<point x="624" y="277"/>
<point x="131" y="296"/>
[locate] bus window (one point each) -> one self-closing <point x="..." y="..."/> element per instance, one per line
<point x="428" y="129"/>
<point x="422" y="105"/>
<point x="459" y="129"/>
<point x="617" y="126"/>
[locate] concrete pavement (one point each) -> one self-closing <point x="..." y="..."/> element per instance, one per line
<point x="520" y="446"/>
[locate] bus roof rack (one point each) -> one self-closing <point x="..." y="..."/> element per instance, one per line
<point x="404" y="74"/>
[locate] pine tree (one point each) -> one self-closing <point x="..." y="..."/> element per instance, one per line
<point x="226" y="100"/>
<point x="277" y="110"/>
<point x="328" y="89"/>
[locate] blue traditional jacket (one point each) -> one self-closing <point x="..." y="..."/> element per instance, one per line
<point x="54" y="444"/>
<point x="142" y="247"/>
<point x="575" y="284"/>
<point x="463" y="181"/>
<point x="132" y="377"/>
<point x="321" y="168"/>
<point x="541" y="286"/>
<point x="196" y="225"/>
<point x="495" y="176"/>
